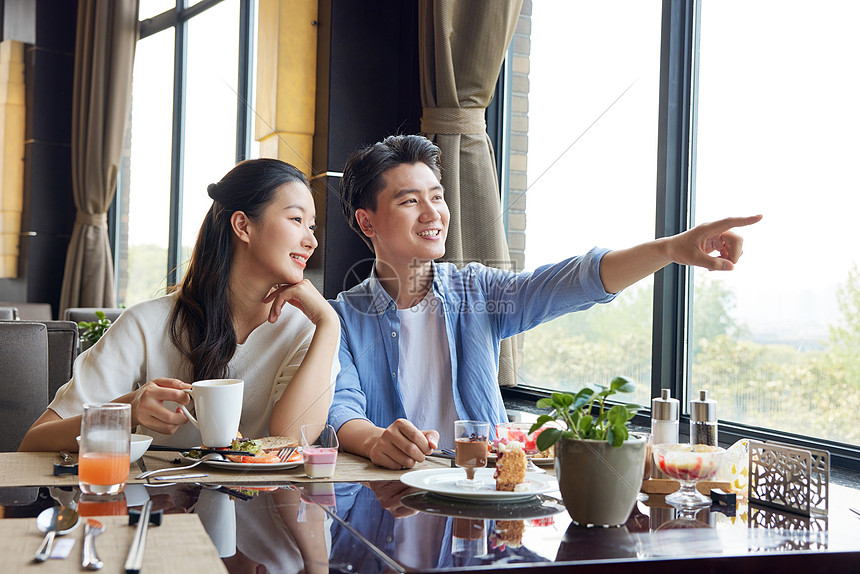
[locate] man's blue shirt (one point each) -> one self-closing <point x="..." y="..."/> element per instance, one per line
<point x="481" y="307"/>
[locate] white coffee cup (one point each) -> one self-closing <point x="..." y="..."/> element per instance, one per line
<point x="218" y="404"/>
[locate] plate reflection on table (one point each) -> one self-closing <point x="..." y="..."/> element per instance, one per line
<point x="540" y="506"/>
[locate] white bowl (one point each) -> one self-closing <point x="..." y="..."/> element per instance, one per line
<point x="139" y="444"/>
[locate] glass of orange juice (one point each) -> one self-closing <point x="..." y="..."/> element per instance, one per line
<point x="103" y="461"/>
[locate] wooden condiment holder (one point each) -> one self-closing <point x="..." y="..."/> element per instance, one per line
<point x="668" y="486"/>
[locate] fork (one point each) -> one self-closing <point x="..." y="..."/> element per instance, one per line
<point x="210" y="456"/>
<point x="286" y="452"/>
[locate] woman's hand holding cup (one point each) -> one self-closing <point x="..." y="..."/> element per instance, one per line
<point x="147" y="405"/>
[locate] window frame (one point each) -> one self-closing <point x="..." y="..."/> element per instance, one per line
<point x="498" y="116"/>
<point x="675" y="193"/>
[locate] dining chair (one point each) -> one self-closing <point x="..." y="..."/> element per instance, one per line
<point x="30" y="311"/>
<point x="62" y="352"/>
<point x="23" y="379"/>
<point x="11" y="496"/>
<point x="78" y="314"/>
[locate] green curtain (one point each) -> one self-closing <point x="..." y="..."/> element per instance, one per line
<point x="462" y="48"/>
<point x="107" y="32"/>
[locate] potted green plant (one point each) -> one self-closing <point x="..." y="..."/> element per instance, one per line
<point x="91" y="331"/>
<point x="598" y="462"/>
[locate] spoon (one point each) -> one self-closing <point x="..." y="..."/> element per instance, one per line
<point x="204" y="458"/>
<point x="52" y="521"/>
<point x="91" y="558"/>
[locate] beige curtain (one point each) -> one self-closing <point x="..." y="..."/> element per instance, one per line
<point x="107" y="32"/>
<point x="463" y="45"/>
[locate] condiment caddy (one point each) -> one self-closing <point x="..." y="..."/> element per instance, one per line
<point x="665" y="415"/>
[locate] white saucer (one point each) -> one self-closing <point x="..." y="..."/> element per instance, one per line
<point x="443" y="482"/>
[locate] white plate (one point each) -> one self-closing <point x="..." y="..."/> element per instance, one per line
<point x="230" y="465"/>
<point x="444" y="483"/>
<point x="538" y="460"/>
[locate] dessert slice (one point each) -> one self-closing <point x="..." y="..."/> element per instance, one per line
<point x="510" y="466"/>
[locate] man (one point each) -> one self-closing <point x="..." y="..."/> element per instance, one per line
<point x="420" y="339"/>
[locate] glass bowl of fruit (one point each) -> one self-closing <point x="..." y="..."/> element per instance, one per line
<point x="689" y="464"/>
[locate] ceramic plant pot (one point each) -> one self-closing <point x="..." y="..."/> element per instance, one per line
<point x="599" y="482"/>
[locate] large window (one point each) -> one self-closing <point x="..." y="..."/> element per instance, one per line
<point x="593" y="77"/>
<point x="777" y="121"/>
<point x="189" y="126"/>
<point x="144" y="192"/>
<point x="757" y="114"/>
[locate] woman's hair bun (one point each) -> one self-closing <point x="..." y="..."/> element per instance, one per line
<point x="211" y="189"/>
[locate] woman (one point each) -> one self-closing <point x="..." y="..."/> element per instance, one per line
<point x="220" y="323"/>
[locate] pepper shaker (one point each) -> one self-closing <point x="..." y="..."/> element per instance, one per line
<point x="703" y="420"/>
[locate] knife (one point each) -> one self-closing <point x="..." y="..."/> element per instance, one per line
<point x="178" y="476"/>
<point x="141" y="465"/>
<point x="201" y="450"/>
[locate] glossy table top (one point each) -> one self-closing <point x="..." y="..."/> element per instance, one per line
<point x="384" y="526"/>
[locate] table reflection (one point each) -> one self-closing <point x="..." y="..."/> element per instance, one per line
<point x="217" y="512"/>
<point x="254" y="529"/>
<point x="426" y="532"/>
<point x="583" y="543"/>
<point x="385" y="526"/>
<point x="278" y="532"/>
<point x="469" y="539"/>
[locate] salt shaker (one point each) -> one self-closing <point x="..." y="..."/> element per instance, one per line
<point x="664" y="418"/>
<point x="664" y="423"/>
<point x="703" y="420"/>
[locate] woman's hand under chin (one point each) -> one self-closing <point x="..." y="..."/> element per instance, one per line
<point x="304" y="297"/>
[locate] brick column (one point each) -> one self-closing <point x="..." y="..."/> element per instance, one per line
<point x="519" y="135"/>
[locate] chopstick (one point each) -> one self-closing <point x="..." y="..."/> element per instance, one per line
<point x="200" y="450"/>
<point x="134" y="562"/>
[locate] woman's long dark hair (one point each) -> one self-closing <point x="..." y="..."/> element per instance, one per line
<point x="201" y="323"/>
